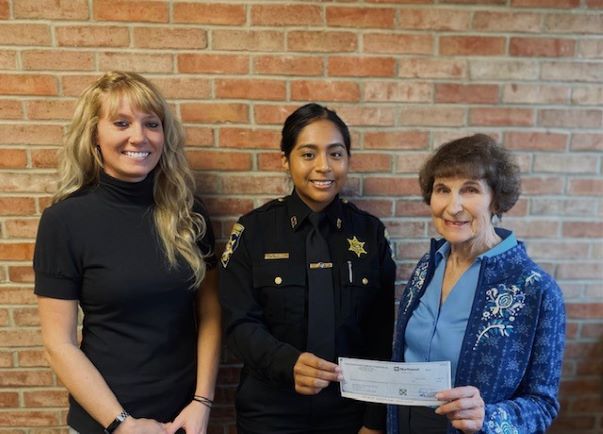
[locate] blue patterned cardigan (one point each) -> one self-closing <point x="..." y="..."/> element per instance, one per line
<point x="513" y="346"/>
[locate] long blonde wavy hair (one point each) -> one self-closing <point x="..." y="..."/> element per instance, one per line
<point x="177" y="226"/>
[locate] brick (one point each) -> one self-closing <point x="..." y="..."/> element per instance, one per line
<point x="592" y="330"/>
<point x="472" y="45"/>
<point x="273" y="114"/>
<point x="406" y="229"/>
<point x="503" y="70"/>
<point x="26" y="316"/>
<point x="542" y="47"/>
<point x="398" y="91"/>
<point x="447" y="135"/>
<point x="569" y="424"/>
<point x="21" y="228"/>
<point x="357" y="17"/>
<point x="32" y="358"/>
<point x="31" y="418"/>
<point x="51" y="9"/>
<point x="8" y="59"/>
<point x="587" y="142"/>
<point x="46" y="398"/>
<point x="9" y="400"/>
<point x="30" y="134"/>
<point x="477" y="2"/>
<point x="50" y="109"/>
<point x="574" y="23"/>
<point x="199" y="136"/>
<point x="288" y="65"/>
<point x="16" y="251"/>
<point x="432" y="116"/>
<point x="286" y="15"/>
<point x="410" y="162"/>
<point x="361" y="66"/>
<point x="131" y="10"/>
<point x="572" y="71"/>
<point x="589" y="404"/>
<point x="434" y="19"/>
<point x="432" y="68"/>
<point x="230" y="207"/>
<point x="25" y="34"/>
<point x="367" y="115"/>
<point x="542" y="185"/>
<point x="27" y="84"/>
<point x="412" y="208"/>
<point x="214" y="160"/>
<point x="582" y="229"/>
<point x="13" y="206"/>
<point x="248" y="40"/>
<point x="269" y="161"/>
<point x="381" y="208"/>
<point x="4" y="322"/>
<point x="74" y="85"/>
<point x="6" y="360"/>
<point x="12" y="158"/>
<point x="27" y="182"/>
<point x="364" y="162"/>
<point x="250" y="89"/>
<point x="169" y="37"/>
<point x="401" y="140"/>
<point x="570" y="118"/>
<point x="590" y="48"/>
<point x="532" y="228"/>
<point x="137" y="62"/>
<point x="584" y="310"/>
<point x="590" y="95"/>
<point x="501" y="116"/>
<point x="466" y="93"/>
<point x="209" y="13"/>
<point x="321" y="41"/>
<point x="213" y="64"/>
<point x="23" y="337"/>
<point x="271" y="185"/>
<point x="21" y="274"/>
<point x="212" y="113"/>
<point x="16" y="295"/>
<point x="249" y="138"/>
<point x="390" y="186"/>
<point x="58" y="60"/>
<point x="324" y="90"/>
<point x="596" y="4"/>
<point x="536" y="141"/>
<point x="4" y="9"/>
<point x="560" y="250"/>
<point x="92" y="36"/>
<point x="507" y="22"/>
<point x="397" y="44"/>
<point x="535" y="94"/>
<point x="564" y="163"/>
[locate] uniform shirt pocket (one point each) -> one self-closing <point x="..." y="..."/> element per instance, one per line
<point x="281" y="289"/>
<point x="360" y="286"/>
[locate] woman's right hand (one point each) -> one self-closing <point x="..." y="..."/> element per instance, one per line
<point x="312" y="374"/>
<point x="140" y="426"/>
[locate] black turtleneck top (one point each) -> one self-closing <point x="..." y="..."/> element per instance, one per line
<point x="100" y="247"/>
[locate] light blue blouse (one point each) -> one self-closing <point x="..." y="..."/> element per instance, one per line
<point x="435" y="332"/>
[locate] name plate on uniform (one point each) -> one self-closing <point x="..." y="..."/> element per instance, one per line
<point x="269" y="256"/>
<point x="394" y="382"/>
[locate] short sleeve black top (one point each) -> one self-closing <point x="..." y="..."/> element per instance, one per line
<point x="100" y="247"/>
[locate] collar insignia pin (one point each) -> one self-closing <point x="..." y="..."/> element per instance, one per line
<point x="338" y="223"/>
<point x="293" y="221"/>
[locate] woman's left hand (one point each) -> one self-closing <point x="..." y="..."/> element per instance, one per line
<point x="464" y="408"/>
<point x="365" y="430"/>
<point x="193" y="419"/>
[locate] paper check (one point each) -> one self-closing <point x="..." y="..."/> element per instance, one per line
<point x="394" y="382"/>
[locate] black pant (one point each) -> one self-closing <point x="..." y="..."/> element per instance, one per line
<point x="420" y="420"/>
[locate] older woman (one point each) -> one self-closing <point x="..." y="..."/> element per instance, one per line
<point x="477" y="300"/>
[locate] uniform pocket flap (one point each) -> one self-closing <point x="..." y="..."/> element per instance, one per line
<point x="285" y="274"/>
<point x="354" y="274"/>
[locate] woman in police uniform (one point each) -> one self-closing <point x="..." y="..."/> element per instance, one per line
<point x="306" y="279"/>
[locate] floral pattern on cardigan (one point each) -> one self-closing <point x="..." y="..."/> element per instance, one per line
<point x="512" y="350"/>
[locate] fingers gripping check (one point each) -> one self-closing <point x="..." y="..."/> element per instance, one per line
<point x="312" y="374"/>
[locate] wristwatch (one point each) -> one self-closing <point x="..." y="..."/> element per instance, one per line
<point x="118" y="420"/>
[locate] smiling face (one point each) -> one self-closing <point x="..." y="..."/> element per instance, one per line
<point x="318" y="164"/>
<point x="130" y="142"/>
<point x="461" y="210"/>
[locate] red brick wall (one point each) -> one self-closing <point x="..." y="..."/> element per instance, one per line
<point x="405" y="74"/>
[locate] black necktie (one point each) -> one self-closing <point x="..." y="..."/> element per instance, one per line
<point x="321" y="308"/>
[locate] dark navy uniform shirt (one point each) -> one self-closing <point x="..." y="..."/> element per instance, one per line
<point x="264" y="295"/>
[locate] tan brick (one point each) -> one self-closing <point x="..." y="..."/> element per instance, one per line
<point x="21" y="274"/>
<point x="248" y="40"/>
<point x="17" y="206"/>
<point x="213" y="63"/>
<point x="12" y="158"/>
<point x="228" y="207"/>
<point x="587" y="142"/>
<point x="574" y="23"/>
<point x="410" y="162"/>
<point x="27" y="84"/>
<point x="542" y="47"/>
<point x="587" y="187"/>
<point x="466" y="93"/>
<point x="138" y="62"/>
<point x="4" y="9"/>
<point x="8" y="59"/>
<point x="9" y="400"/>
<point x="472" y="45"/>
<point x="380" y="208"/>
<point x="199" y="136"/>
<point x="501" y="116"/>
<point x="560" y="250"/>
<point x="406" y="229"/>
<point x="397" y="44"/>
<point x="367" y="115"/>
<point x="250" y="89"/>
<point x="546" y="3"/>
<point x="401" y="140"/>
<point x="581" y="271"/>
<point x="249" y="138"/>
<point x="26" y="316"/>
<point x="32" y="358"/>
<point x="321" y="41"/>
<point x="17" y="295"/>
<point x="582" y="229"/>
<point x="209" y="13"/>
<point x="33" y="418"/>
<point x="582" y="207"/>
<point x="390" y="186"/>
<point x="577" y="71"/>
<point x="30" y="134"/>
<point x="532" y="228"/>
<point x="324" y="90"/>
<point x="432" y="68"/>
<point x="50" y="109"/>
<point x="357" y="17"/>
<point x="536" y="141"/>
<point x="59" y="60"/>
<point x="570" y="118"/>
<point x="564" y="163"/>
<point x="590" y="48"/>
<point x="214" y="112"/>
<point x="216" y="160"/>
<point x="588" y="95"/>
<point x="21" y="228"/>
<point x="286" y="15"/>
<point x="169" y="37"/>
<point x="398" y="91"/>
<point x="6" y="359"/>
<point x="367" y="162"/>
<point x="131" y="10"/>
<point x="74" y="85"/>
<point x="523" y="22"/>
<point x="25" y="34"/>
<point x="433" y="115"/>
<point x="271" y="185"/>
<point x="92" y="36"/>
<point x="27" y="182"/>
<point x="23" y="337"/>
<point x="503" y="69"/>
<point x="361" y="66"/>
<point x="535" y="94"/>
<point x="434" y="19"/>
<point x="51" y="9"/>
<point x="274" y="114"/>
<point x="542" y="185"/>
<point x="288" y="65"/>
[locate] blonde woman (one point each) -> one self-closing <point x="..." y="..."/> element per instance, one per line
<point x="127" y="241"/>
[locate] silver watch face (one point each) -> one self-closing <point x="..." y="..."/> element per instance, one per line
<point x="122" y="416"/>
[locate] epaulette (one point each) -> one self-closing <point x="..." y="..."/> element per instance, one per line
<point x="274" y="203"/>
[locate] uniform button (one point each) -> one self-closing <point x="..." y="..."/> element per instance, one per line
<point x="364" y="281"/>
<point x="278" y="280"/>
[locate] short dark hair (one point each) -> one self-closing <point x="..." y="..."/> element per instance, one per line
<point x="304" y="116"/>
<point x="475" y="157"/>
